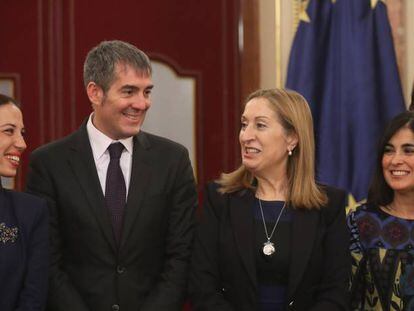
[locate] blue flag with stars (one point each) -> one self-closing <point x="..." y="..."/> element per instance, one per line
<point x="343" y="62"/>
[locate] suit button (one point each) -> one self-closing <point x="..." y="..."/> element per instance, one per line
<point x="120" y="269"/>
<point x="291" y="304"/>
<point x="115" y="307"/>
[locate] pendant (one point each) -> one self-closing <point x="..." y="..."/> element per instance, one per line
<point x="268" y="248"/>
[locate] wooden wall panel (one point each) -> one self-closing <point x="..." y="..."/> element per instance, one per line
<point x="47" y="40"/>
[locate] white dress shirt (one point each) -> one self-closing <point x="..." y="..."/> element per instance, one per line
<point x="99" y="144"/>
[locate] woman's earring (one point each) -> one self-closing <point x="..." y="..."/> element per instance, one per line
<point x="289" y="152"/>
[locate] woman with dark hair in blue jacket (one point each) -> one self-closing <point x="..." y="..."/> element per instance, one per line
<point x="23" y="225"/>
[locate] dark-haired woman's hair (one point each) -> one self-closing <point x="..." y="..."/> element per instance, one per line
<point x="380" y="193"/>
<point x="4" y="99"/>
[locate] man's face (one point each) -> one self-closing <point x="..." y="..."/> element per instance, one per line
<point x="120" y="112"/>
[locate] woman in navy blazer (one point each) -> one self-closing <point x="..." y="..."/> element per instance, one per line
<point x="23" y="225"/>
<point x="270" y="237"/>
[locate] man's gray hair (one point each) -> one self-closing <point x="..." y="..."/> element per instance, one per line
<point x="99" y="66"/>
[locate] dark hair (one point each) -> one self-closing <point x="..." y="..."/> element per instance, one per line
<point x="4" y="99"/>
<point x="99" y="66"/>
<point x="380" y="193"/>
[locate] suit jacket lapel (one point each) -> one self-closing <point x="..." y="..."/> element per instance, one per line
<point x="140" y="179"/>
<point x="83" y="164"/>
<point x="243" y="225"/>
<point x="304" y="229"/>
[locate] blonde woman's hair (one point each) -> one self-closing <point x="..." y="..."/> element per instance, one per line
<point x="295" y="116"/>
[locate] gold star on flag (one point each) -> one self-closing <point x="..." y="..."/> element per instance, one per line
<point x="303" y="15"/>
<point x="375" y="2"/>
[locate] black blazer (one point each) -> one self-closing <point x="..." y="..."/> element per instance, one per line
<point x="24" y="252"/>
<point x="223" y="271"/>
<point x="149" y="270"/>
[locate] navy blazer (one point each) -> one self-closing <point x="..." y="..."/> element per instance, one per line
<point x="223" y="271"/>
<point x="24" y="251"/>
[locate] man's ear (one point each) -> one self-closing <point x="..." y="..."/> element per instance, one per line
<point x="95" y="93"/>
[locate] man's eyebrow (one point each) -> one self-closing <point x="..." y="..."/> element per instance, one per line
<point x="133" y="87"/>
<point x="128" y="86"/>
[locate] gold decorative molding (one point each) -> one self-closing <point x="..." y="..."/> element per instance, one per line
<point x="296" y="12"/>
<point x="375" y="2"/>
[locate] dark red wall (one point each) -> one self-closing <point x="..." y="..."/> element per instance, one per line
<point x="44" y="43"/>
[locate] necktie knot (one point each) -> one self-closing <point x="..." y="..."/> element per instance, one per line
<point x="115" y="150"/>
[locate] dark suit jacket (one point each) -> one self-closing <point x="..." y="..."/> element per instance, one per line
<point x="24" y="252"/>
<point x="149" y="271"/>
<point x="223" y="271"/>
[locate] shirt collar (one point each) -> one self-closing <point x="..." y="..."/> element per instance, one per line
<point x="100" y="142"/>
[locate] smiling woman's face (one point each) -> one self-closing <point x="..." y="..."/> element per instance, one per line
<point x="12" y="143"/>
<point x="398" y="161"/>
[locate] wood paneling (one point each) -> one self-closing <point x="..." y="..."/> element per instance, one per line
<point x="46" y="42"/>
<point x="250" y="49"/>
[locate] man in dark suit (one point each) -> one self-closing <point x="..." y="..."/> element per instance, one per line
<point x="121" y="225"/>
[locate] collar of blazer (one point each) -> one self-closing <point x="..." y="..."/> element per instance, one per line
<point x="304" y="229"/>
<point x="83" y="165"/>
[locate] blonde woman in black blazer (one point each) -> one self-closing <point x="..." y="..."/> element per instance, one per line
<point x="270" y="238"/>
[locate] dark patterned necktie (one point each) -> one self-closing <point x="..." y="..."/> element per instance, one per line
<point x="115" y="190"/>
